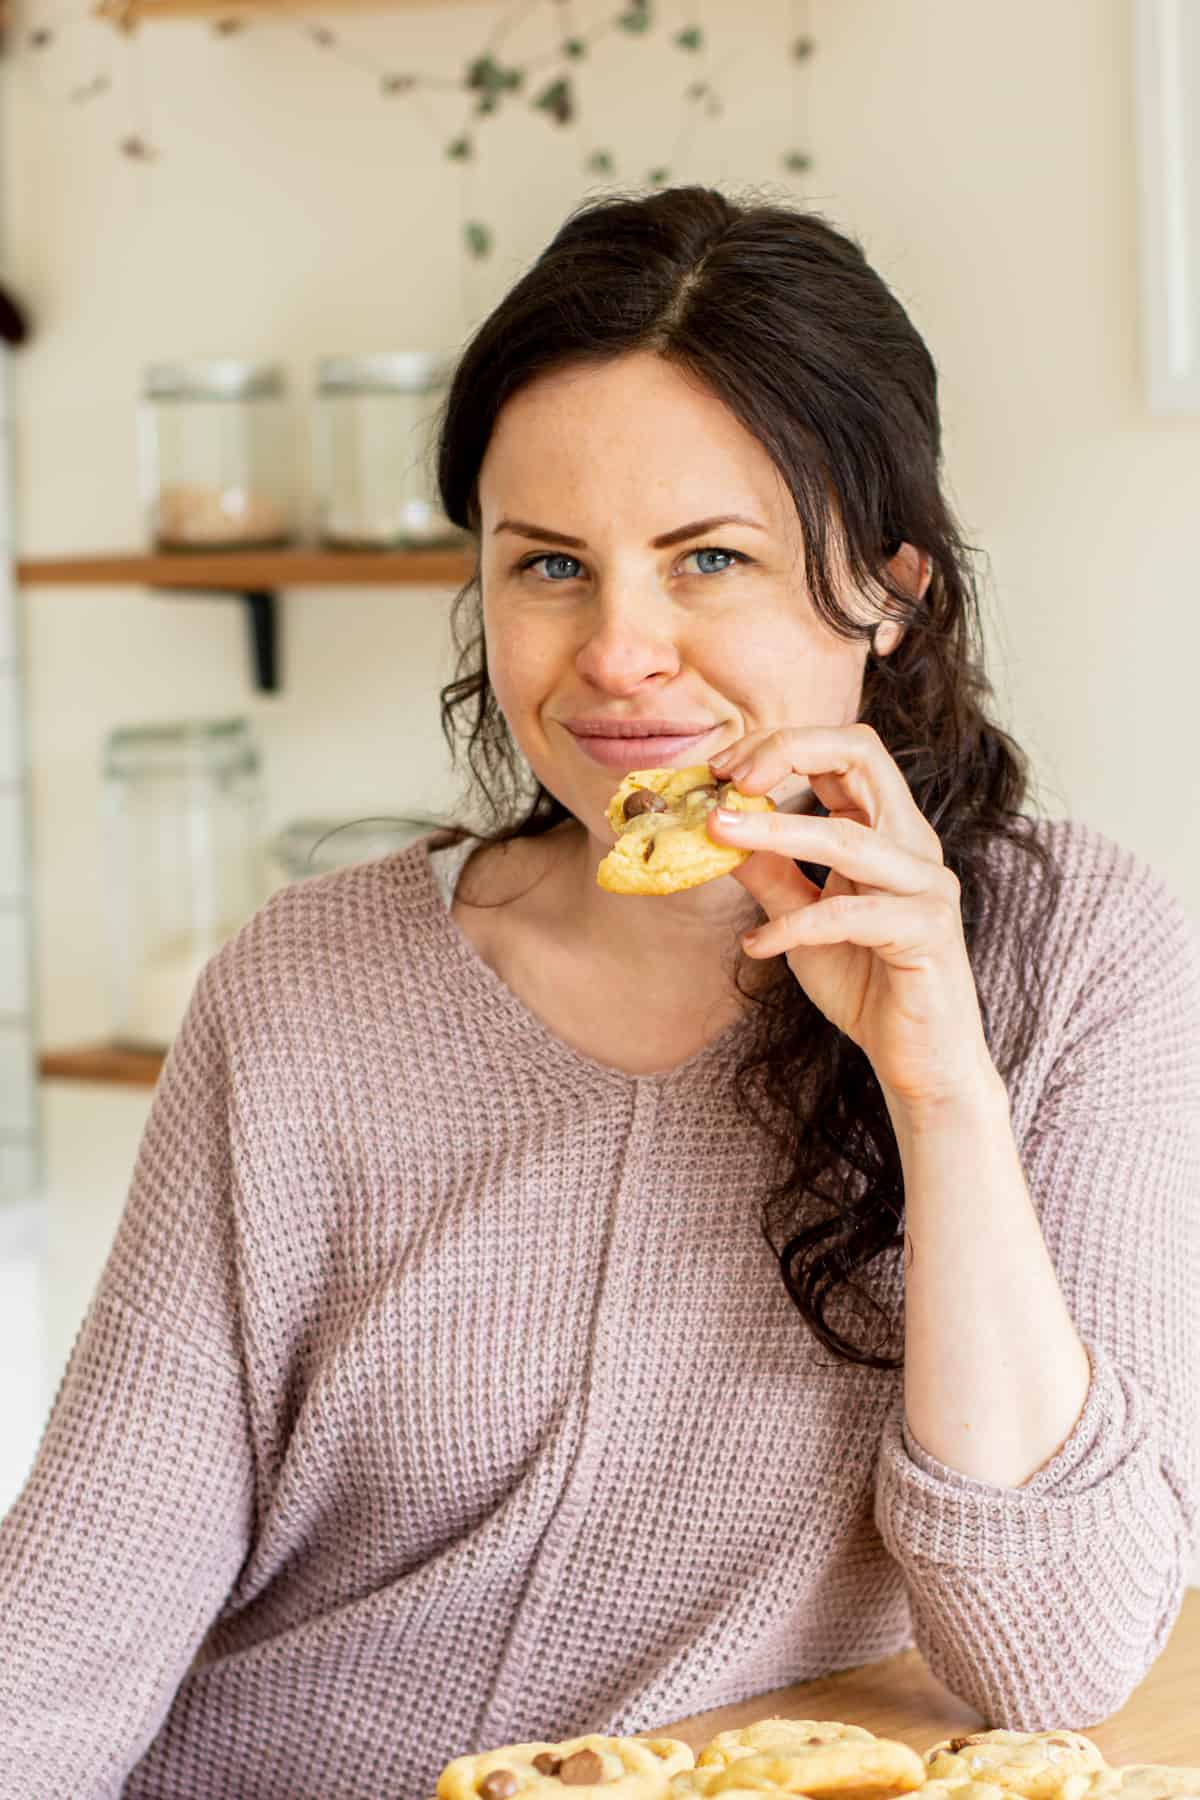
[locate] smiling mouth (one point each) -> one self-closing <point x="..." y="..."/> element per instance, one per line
<point x="653" y="749"/>
<point x="640" y="728"/>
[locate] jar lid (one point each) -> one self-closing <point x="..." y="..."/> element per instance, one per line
<point x="386" y="371"/>
<point x="180" y="744"/>
<point x="213" y="378"/>
<point x="177" y="731"/>
<point x="315" y="846"/>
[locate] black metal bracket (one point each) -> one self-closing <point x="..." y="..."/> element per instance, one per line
<point x="262" y="614"/>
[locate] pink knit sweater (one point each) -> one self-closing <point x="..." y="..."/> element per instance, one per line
<point x="440" y="1390"/>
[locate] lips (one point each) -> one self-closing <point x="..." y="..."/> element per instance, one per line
<point x="649" y="749"/>
<point x="631" y="727"/>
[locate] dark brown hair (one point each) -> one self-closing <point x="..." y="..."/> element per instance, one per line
<point x="782" y="318"/>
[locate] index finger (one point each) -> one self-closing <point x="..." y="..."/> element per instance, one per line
<point x="852" y="773"/>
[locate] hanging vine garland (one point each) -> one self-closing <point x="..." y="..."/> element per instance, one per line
<point x="545" y="83"/>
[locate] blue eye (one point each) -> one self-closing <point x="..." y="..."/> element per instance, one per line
<point x="548" y="558"/>
<point x="731" y="556"/>
<point x="555" y="573"/>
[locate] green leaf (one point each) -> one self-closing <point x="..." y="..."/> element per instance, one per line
<point x="488" y="77"/>
<point x="479" y="238"/>
<point x="797" y="161"/>
<point x="637" y="18"/>
<point x="803" y="47"/>
<point x="658" y="177"/>
<point x="485" y="72"/>
<point x="461" y="150"/>
<point x="691" y="39"/>
<point x="574" y="47"/>
<point x="600" y="162"/>
<point x="557" y="100"/>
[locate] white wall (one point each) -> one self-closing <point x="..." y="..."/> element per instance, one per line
<point x="19" y="1144"/>
<point x="23" y="1393"/>
<point x="984" y="155"/>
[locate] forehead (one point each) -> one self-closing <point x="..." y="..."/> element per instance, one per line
<point x="637" y="431"/>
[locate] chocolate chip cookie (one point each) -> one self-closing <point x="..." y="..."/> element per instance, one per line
<point x="626" y="1769"/>
<point x="1040" y="1765"/>
<point x="662" y="842"/>
<point x="832" y="1768"/>
<point x="1143" y="1781"/>
<point x="777" y="1735"/>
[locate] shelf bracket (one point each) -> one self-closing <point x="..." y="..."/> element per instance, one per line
<point x="262" y="616"/>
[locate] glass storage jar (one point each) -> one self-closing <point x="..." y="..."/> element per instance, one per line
<point x="315" y="846"/>
<point x="182" y="808"/>
<point x="374" y="448"/>
<point x="214" y="454"/>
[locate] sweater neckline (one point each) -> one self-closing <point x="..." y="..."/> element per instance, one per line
<point x="496" y="993"/>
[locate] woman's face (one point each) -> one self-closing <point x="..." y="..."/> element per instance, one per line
<point x="590" y="615"/>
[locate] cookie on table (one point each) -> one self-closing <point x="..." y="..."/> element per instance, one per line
<point x="777" y="1734"/>
<point x="834" y="1768"/>
<point x="1039" y="1765"/>
<point x="625" y="1768"/>
<point x="662" y="842"/>
<point x="969" y="1790"/>
<point x="1143" y="1781"/>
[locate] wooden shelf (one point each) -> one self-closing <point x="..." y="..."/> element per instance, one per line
<point x="243" y="571"/>
<point x="253" y="576"/>
<point x="256" y="575"/>
<point x="127" y="15"/>
<point x="100" y="1062"/>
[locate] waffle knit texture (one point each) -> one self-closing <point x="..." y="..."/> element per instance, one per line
<point x="440" y="1390"/>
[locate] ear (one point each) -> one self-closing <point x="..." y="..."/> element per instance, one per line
<point x="912" y="570"/>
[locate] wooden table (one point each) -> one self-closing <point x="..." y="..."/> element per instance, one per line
<point x="899" y="1698"/>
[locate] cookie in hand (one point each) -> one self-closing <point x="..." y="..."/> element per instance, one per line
<point x="662" y="844"/>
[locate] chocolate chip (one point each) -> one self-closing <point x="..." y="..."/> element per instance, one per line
<point x="545" y="1764"/>
<point x="498" y="1785"/>
<point x="643" y="800"/>
<point x="584" y="1769"/>
<point x="957" y="1744"/>
<point x="648" y="852"/>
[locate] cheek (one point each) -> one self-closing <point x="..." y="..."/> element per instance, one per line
<point x="521" y="668"/>
<point x="808" y="680"/>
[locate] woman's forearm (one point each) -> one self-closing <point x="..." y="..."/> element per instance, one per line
<point x="995" y="1375"/>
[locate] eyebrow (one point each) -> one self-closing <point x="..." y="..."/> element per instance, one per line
<point x="522" y="529"/>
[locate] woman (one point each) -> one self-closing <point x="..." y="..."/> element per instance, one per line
<point x="442" y="1390"/>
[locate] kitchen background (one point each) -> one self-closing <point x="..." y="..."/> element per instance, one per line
<point x="273" y="201"/>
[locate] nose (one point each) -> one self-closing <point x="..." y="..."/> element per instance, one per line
<point x="627" y="639"/>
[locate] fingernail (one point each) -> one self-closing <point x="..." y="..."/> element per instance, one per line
<point x="727" y="817"/>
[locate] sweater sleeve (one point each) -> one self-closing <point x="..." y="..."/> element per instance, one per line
<point x="1044" y="1606"/>
<point x="136" y="1517"/>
